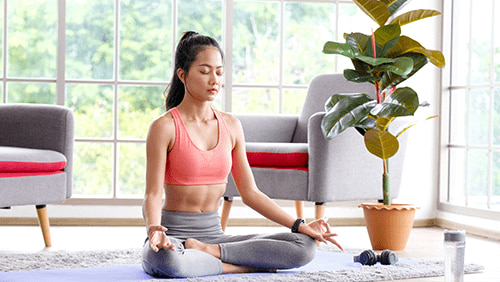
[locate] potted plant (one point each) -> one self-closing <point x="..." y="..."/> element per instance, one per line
<point x="384" y="58"/>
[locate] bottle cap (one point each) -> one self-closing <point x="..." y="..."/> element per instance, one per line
<point x="454" y="235"/>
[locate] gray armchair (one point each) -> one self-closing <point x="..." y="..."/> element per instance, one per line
<point x="337" y="170"/>
<point x="36" y="157"/>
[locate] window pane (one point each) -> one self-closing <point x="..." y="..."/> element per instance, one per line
<point x="92" y="106"/>
<point x="481" y="41"/>
<point x="132" y="169"/>
<point x="460" y="44"/>
<point x="457" y="176"/>
<point x="497" y="45"/>
<point x="32" y="41"/>
<point x="496" y="116"/>
<point x="256" y="44"/>
<point x="478" y="178"/>
<point x="479" y="118"/>
<point x="495" y="175"/>
<point x="145" y="40"/>
<point x="204" y="17"/>
<point x="89" y="39"/>
<point x="293" y="100"/>
<point x="458" y="117"/>
<point x="307" y="27"/>
<point x="137" y="107"/>
<point x="31" y="92"/>
<point x="93" y="164"/>
<point x="1" y="39"/>
<point x="255" y="100"/>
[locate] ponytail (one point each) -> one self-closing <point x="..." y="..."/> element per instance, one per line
<point x="190" y="44"/>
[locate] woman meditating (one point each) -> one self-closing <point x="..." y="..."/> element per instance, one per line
<point x="191" y="149"/>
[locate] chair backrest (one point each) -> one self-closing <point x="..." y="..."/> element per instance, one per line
<point x="321" y="88"/>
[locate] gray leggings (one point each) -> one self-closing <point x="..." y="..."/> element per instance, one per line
<point x="273" y="251"/>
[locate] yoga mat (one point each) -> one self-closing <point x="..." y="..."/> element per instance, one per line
<point x="324" y="261"/>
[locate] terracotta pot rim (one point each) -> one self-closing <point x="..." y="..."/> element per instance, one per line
<point x="381" y="206"/>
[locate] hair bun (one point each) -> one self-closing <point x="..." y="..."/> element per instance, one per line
<point x="188" y="34"/>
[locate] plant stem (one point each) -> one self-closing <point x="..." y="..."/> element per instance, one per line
<point x="386" y="183"/>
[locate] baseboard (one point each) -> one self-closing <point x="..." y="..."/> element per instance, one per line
<point x="483" y="232"/>
<point x="28" y="221"/>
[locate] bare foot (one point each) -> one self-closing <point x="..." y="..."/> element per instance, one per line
<point x="231" y="268"/>
<point x="213" y="250"/>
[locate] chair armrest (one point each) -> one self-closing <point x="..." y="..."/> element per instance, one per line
<point x="39" y="126"/>
<point x="268" y="127"/>
<point x="342" y="169"/>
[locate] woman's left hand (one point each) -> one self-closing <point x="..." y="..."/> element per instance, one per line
<point x="319" y="230"/>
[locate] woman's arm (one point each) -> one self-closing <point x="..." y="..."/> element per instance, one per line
<point x="254" y="198"/>
<point x="156" y="154"/>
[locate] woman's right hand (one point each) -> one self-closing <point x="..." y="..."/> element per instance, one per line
<point x="158" y="239"/>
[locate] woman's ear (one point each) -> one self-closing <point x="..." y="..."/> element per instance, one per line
<point x="181" y="75"/>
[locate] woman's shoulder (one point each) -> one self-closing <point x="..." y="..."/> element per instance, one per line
<point x="230" y="120"/>
<point x="163" y="124"/>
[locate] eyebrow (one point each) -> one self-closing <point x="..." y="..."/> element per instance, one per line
<point x="207" y="65"/>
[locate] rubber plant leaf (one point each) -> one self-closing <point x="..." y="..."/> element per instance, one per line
<point x="413" y="16"/>
<point x="382" y="123"/>
<point x="401" y="66"/>
<point x="358" y="77"/>
<point x="394" y="5"/>
<point x="375" y="9"/>
<point x="408" y="45"/>
<point x="343" y="49"/>
<point x="346" y="112"/>
<point x="385" y="38"/>
<point x="390" y="79"/>
<point x="402" y="102"/>
<point x="359" y="41"/>
<point x="381" y="143"/>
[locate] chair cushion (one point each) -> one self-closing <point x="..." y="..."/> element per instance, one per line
<point x="17" y="162"/>
<point x="278" y="155"/>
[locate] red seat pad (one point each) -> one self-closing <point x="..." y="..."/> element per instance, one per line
<point x="278" y="155"/>
<point x="18" y="162"/>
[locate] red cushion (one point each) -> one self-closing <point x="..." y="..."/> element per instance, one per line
<point x="14" y="166"/>
<point x="294" y="159"/>
<point x="24" y="174"/>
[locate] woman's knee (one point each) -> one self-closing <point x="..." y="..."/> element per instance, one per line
<point x="306" y="251"/>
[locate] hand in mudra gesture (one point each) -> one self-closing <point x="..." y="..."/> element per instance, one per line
<point x="320" y="230"/>
<point x="158" y="239"/>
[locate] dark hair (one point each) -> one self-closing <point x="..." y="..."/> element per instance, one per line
<point x="190" y="44"/>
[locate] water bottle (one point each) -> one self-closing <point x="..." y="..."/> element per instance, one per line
<point x="454" y="248"/>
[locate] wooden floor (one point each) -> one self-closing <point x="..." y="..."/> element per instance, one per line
<point x="424" y="243"/>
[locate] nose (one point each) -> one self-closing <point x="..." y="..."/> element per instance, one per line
<point x="214" y="78"/>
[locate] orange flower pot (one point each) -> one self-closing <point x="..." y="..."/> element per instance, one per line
<point x="389" y="227"/>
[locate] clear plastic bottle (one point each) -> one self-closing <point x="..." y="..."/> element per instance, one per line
<point x="454" y="248"/>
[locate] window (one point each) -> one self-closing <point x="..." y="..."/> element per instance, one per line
<point x="109" y="61"/>
<point x="473" y="104"/>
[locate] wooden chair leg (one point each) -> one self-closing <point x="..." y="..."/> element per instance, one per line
<point x="299" y="208"/>
<point x="320" y="210"/>
<point x="43" y="220"/>
<point x="226" y="208"/>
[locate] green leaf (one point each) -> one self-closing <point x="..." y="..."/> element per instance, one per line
<point x="394" y="5"/>
<point x="413" y="16"/>
<point x="375" y="9"/>
<point x="381" y="143"/>
<point x="408" y="45"/>
<point x="400" y="66"/>
<point x="390" y="79"/>
<point x="346" y="112"/>
<point x="358" y="77"/>
<point x="343" y="49"/>
<point x="385" y="38"/>
<point x="402" y="102"/>
<point x="382" y="123"/>
<point x="359" y="41"/>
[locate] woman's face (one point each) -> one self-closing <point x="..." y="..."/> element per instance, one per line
<point x="204" y="80"/>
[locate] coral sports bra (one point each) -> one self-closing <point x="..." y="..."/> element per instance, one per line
<point x="189" y="165"/>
